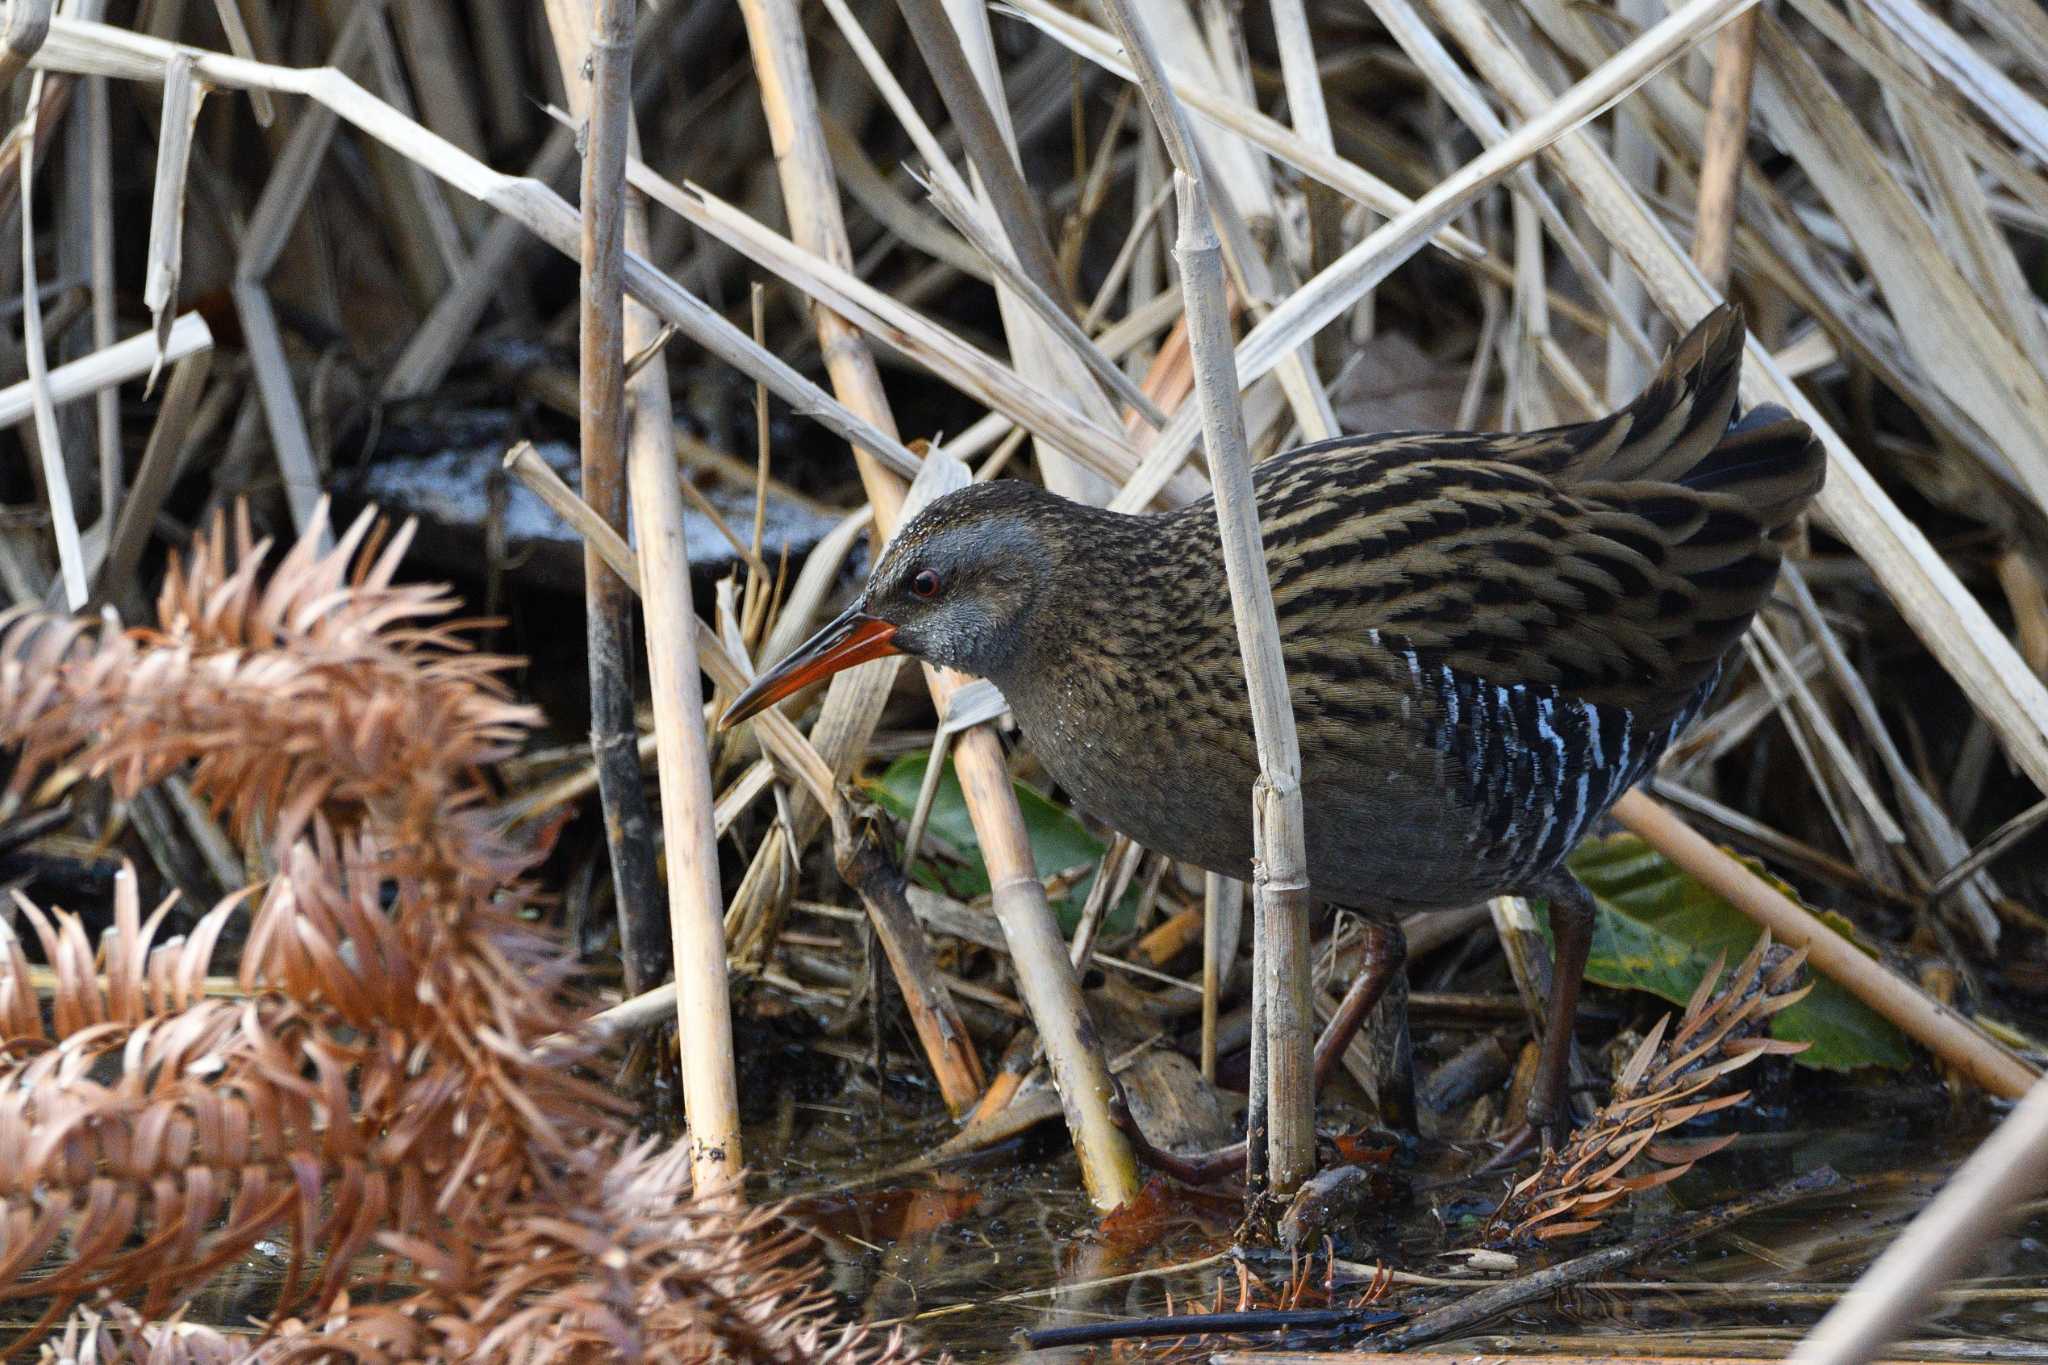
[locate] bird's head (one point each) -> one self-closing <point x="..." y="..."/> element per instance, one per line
<point x="955" y="587"/>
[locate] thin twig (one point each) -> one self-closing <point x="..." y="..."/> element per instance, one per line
<point x="1494" y="1300"/>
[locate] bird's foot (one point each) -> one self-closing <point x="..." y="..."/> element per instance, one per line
<point x="1518" y="1145"/>
<point x="1205" y="1168"/>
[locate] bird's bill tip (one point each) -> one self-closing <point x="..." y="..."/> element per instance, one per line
<point x="852" y="638"/>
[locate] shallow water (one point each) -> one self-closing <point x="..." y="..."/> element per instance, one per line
<point x="974" y="1255"/>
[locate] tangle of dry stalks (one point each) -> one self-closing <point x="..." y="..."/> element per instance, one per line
<point x="378" y="1087"/>
<point x="1664" y="1084"/>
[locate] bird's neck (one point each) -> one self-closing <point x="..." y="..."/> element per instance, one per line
<point x="1121" y="599"/>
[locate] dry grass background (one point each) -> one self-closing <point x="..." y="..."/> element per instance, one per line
<point x="273" y="246"/>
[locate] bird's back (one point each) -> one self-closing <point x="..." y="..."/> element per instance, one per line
<point x="1488" y="637"/>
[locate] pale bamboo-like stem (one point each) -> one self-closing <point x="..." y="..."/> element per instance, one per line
<point x="1979" y="1203"/>
<point x="117" y="364"/>
<point x="100" y="191"/>
<point x="56" y="480"/>
<point x="1934" y="1026"/>
<point x="1726" y="149"/>
<point x="1046" y="979"/>
<point x="1280" y="851"/>
<point x="604" y="30"/>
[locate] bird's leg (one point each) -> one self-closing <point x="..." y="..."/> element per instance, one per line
<point x="1382" y="955"/>
<point x="1571" y="928"/>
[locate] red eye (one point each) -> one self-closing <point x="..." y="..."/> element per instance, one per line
<point x="924" y="584"/>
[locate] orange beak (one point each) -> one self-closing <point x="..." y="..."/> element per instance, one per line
<point x="852" y="638"/>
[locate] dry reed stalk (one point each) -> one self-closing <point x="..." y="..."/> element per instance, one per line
<point x="971" y="370"/>
<point x="614" y="731"/>
<point x="966" y="219"/>
<point x="1979" y="1203"/>
<point x="1280" y="889"/>
<point x="108" y="368"/>
<point x="1247" y="122"/>
<point x="854" y="701"/>
<point x="948" y="1047"/>
<point x="1727" y="139"/>
<point x="1222" y="922"/>
<point x="56" y="478"/>
<point x="96" y="49"/>
<point x="961" y="55"/>
<point x="136" y="520"/>
<point x="263" y="242"/>
<point x="1320" y="300"/>
<point x="695" y="899"/>
<point x="1046" y="977"/>
<point x="423" y="364"/>
<point x="98" y="150"/>
<point x="1310" y="116"/>
<point x="792" y="751"/>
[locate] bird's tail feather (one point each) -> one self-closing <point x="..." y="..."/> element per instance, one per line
<point x="1681" y="414"/>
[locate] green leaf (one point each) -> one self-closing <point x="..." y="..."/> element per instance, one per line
<point x="1058" y="840"/>
<point x="1659" y="931"/>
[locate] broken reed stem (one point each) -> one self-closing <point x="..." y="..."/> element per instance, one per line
<point x="1280" y="886"/>
<point x="1935" y="1027"/>
<point x="598" y="28"/>
<point x="1046" y="979"/>
<point x="879" y="882"/>
<point x="1979" y="1203"/>
<point x="608" y="601"/>
<point x="1727" y="139"/>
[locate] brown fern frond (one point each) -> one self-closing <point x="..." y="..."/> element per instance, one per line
<point x="156" y="1135"/>
<point x="1669" y="1080"/>
<point x="380" y="1087"/>
<point x="328" y="688"/>
<point x="640" y="1272"/>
